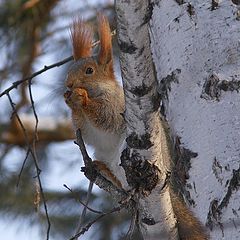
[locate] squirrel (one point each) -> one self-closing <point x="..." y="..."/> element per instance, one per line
<point x="95" y="97"/>
<point x="97" y="104"/>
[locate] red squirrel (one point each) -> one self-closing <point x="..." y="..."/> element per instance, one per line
<point x="95" y="97"/>
<point x="97" y="103"/>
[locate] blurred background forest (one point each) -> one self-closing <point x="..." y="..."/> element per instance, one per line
<point x="34" y="34"/>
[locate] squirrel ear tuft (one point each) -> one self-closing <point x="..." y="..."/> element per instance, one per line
<point x="104" y="31"/>
<point x="81" y="36"/>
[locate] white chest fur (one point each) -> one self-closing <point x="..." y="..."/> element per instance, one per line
<point x="106" y="145"/>
<point x="107" y="148"/>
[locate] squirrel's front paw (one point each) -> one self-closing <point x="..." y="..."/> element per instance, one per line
<point x="77" y="98"/>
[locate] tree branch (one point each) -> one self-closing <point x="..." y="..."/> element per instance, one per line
<point x="95" y="176"/>
<point x="44" y="69"/>
<point x="31" y="149"/>
<point x="81" y="202"/>
<point x="86" y="228"/>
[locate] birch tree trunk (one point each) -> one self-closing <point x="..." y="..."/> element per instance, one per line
<point x="196" y="52"/>
<point x="146" y="160"/>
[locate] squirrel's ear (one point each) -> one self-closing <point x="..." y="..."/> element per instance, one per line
<point x="105" y="53"/>
<point x="81" y="36"/>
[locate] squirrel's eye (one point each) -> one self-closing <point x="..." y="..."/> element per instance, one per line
<point x="89" y="70"/>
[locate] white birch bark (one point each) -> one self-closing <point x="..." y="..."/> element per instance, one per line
<point x="196" y="50"/>
<point x="145" y="158"/>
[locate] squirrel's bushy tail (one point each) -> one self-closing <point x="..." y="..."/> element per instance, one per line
<point x="189" y="227"/>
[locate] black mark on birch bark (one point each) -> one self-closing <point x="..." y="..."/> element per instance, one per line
<point x="190" y="9"/>
<point x="165" y="87"/>
<point x="127" y="48"/>
<point x="180" y="2"/>
<point x="234" y="185"/>
<point x="181" y="168"/>
<point x="149" y="221"/>
<point x="140" y="52"/>
<point x="215" y="4"/>
<point x="237" y="2"/>
<point x="215" y="209"/>
<point x="217" y="170"/>
<point x="213" y="87"/>
<point x="165" y="83"/>
<point x="213" y="215"/>
<point x="139" y="141"/>
<point x="156" y="100"/>
<point x="142" y="90"/>
<point x="140" y="174"/>
<point x="176" y="19"/>
<point x="149" y="12"/>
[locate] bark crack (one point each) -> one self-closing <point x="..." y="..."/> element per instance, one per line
<point x="165" y="83"/>
<point x="215" y="209"/>
<point x="181" y="168"/>
<point x="180" y="2"/>
<point x="213" y="87"/>
<point x="234" y="185"/>
<point x="126" y="47"/>
<point x="149" y="12"/>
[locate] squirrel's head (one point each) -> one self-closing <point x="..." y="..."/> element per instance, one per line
<point x="88" y="69"/>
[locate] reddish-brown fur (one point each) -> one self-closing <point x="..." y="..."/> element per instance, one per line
<point x="105" y="40"/>
<point x="96" y="99"/>
<point x="82" y="36"/>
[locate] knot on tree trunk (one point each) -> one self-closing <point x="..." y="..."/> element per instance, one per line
<point x="140" y="173"/>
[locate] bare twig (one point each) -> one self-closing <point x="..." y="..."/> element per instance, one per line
<point x="81" y="202"/>
<point x="86" y="228"/>
<point x="34" y="112"/>
<point x="23" y="165"/>
<point x="132" y="225"/>
<point x="44" y="69"/>
<point x="32" y="146"/>
<point x="84" y="211"/>
<point x="34" y="156"/>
